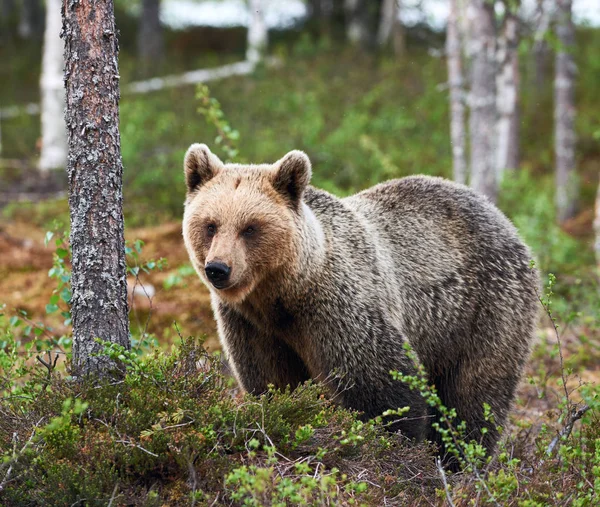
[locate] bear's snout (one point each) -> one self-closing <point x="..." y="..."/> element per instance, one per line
<point x="218" y="274"/>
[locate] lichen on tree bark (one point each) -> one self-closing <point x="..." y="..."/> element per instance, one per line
<point x="95" y="170"/>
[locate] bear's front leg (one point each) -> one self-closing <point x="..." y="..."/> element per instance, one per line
<point x="257" y="359"/>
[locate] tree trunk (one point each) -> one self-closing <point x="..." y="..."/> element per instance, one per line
<point x="54" y="134"/>
<point x="150" y="37"/>
<point x="257" y="32"/>
<point x="508" y="80"/>
<point x="544" y="14"/>
<point x="95" y="170"/>
<point x="457" y="94"/>
<point x="482" y="100"/>
<point x="390" y="27"/>
<point x="597" y="229"/>
<point x="564" y="113"/>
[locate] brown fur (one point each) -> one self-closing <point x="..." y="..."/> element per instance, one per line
<point x="332" y="288"/>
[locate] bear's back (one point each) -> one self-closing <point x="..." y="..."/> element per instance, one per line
<point x="447" y="252"/>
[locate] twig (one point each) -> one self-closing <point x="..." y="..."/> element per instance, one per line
<point x="438" y="464"/>
<point x="17" y="455"/>
<point x="568" y="428"/>
<point x="114" y="494"/>
<point x="132" y="444"/>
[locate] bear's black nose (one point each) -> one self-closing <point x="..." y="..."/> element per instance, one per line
<point x="218" y="273"/>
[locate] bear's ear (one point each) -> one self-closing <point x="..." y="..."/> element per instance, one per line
<point x="292" y="175"/>
<point x="199" y="165"/>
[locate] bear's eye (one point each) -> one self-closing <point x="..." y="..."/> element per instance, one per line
<point x="249" y="231"/>
<point x="211" y="229"/>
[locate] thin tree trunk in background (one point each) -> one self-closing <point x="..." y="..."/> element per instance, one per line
<point x="150" y="36"/>
<point x="390" y="27"/>
<point x="257" y="32"/>
<point x="457" y="105"/>
<point x="541" y="52"/>
<point x="95" y="170"/>
<point x="564" y="113"/>
<point x="54" y="133"/>
<point x="481" y="49"/>
<point x="508" y="80"/>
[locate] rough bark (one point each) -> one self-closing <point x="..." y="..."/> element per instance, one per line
<point x="95" y="170"/>
<point x="457" y="94"/>
<point x="564" y="113"/>
<point x="597" y="229"/>
<point x="150" y="36"/>
<point x="54" y="134"/>
<point x="482" y="100"/>
<point x="257" y="32"/>
<point x="508" y="81"/>
<point x="390" y="27"/>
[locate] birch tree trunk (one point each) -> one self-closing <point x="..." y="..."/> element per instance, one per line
<point x="150" y="37"/>
<point x="257" y="32"/>
<point x="95" y="170"/>
<point x="390" y="27"/>
<point x="54" y="134"/>
<point x="457" y="105"/>
<point x="544" y="14"/>
<point x="564" y="113"/>
<point x="482" y="100"/>
<point x="508" y="81"/>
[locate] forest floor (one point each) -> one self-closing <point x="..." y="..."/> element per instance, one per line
<point x="173" y="301"/>
<point x="25" y="285"/>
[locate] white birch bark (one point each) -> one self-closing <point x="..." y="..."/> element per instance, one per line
<point x="508" y="80"/>
<point x="564" y="113"/>
<point x="457" y="105"/>
<point x="481" y="49"/>
<point x="54" y="134"/>
<point x="390" y="27"/>
<point x="257" y="32"/>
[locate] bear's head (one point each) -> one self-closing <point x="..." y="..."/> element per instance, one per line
<point x="240" y="223"/>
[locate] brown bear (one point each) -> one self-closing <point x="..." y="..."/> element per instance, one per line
<point x="307" y="285"/>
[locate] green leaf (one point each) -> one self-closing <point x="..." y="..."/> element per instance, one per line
<point x="48" y="237"/>
<point x="65" y="295"/>
<point x="62" y="252"/>
<point x="51" y="308"/>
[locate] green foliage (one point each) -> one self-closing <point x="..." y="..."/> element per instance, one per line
<point x="210" y="108"/>
<point x="529" y="203"/>
<point x="173" y="423"/>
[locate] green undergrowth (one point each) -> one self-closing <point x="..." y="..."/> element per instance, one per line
<point x="174" y="431"/>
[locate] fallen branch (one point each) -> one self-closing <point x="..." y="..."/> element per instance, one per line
<point x="568" y="428"/>
<point x="159" y="83"/>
